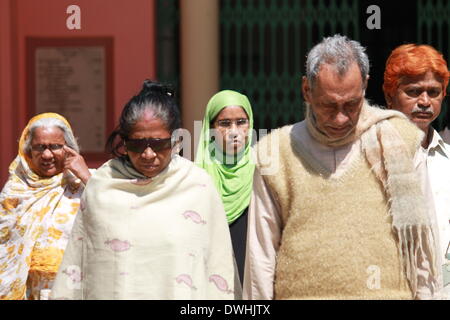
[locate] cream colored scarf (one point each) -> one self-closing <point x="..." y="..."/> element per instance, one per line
<point x="135" y="237"/>
<point x="393" y="165"/>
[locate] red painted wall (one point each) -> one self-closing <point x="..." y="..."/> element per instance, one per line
<point x="130" y="23"/>
<point x="7" y="86"/>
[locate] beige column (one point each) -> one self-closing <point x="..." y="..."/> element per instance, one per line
<point x="199" y="30"/>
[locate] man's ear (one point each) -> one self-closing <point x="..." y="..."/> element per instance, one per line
<point x="306" y="89"/>
<point x="388" y="99"/>
<point x="366" y="82"/>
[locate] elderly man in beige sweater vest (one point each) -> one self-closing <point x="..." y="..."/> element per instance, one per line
<point x="338" y="210"/>
<point x="415" y="83"/>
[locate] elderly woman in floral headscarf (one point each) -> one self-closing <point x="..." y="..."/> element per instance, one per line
<point x="38" y="205"/>
<point x="224" y="152"/>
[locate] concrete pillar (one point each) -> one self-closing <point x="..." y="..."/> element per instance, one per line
<point x="199" y="30"/>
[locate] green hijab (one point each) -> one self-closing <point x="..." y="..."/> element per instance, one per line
<point x="233" y="181"/>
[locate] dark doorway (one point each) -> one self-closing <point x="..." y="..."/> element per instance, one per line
<point x="398" y="26"/>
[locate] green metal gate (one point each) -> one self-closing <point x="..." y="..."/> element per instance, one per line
<point x="434" y="29"/>
<point x="168" y="43"/>
<point x="264" y="45"/>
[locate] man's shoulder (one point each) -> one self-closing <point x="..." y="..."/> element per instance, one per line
<point x="274" y="138"/>
<point x="276" y="133"/>
<point x="439" y="142"/>
<point x="273" y="149"/>
<point x="403" y="124"/>
<point x="408" y="131"/>
<point x="445" y="134"/>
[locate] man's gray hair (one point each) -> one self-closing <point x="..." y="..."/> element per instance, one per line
<point x="49" y="123"/>
<point x="340" y="52"/>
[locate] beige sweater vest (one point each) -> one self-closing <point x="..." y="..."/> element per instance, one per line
<point x="337" y="241"/>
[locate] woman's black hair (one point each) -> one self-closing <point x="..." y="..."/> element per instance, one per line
<point x="154" y="97"/>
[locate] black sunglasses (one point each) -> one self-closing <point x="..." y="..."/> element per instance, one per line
<point x="139" y="145"/>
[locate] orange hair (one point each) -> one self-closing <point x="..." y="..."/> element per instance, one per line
<point x="413" y="60"/>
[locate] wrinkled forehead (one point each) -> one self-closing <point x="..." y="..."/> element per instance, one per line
<point x="51" y="134"/>
<point x="329" y="76"/>
<point x="330" y="84"/>
<point x="428" y="78"/>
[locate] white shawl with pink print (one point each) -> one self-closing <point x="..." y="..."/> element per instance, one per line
<point x="160" y="238"/>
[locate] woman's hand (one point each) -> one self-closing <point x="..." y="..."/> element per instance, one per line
<point x="76" y="164"/>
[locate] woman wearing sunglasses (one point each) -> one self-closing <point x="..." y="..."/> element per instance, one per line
<point x="151" y="224"/>
<point x="224" y="152"/>
<point x="38" y="205"/>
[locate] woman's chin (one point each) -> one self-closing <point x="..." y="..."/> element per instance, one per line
<point x="235" y="153"/>
<point x="48" y="173"/>
<point x="234" y="149"/>
<point x="150" y="171"/>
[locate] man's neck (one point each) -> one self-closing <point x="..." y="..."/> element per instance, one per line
<point x="427" y="138"/>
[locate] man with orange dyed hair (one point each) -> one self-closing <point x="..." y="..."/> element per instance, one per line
<point x="415" y="83"/>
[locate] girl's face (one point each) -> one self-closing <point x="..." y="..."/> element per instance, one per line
<point x="231" y="126"/>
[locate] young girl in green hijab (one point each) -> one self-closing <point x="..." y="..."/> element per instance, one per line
<point x="224" y="152"/>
